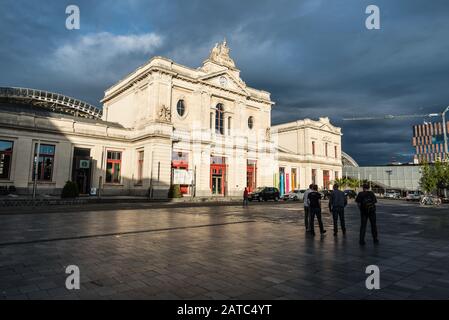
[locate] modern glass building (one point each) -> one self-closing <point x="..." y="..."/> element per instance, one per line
<point x="428" y="140"/>
<point x="403" y="177"/>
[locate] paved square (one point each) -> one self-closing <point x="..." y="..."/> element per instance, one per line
<point x="222" y="252"/>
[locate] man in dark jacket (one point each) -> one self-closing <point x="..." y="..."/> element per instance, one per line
<point x="366" y="201"/>
<point x="306" y="207"/>
<point x="337" y="204"/>
<point x="315" y="210"/>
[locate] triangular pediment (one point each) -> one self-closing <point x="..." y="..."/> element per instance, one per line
<point x="329" y="128"/>
<point x="324" y="124"/>
<point x="326" y="127"/>
<point x="226" y="80"/>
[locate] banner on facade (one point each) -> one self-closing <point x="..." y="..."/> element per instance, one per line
<point x="181" y="176"/>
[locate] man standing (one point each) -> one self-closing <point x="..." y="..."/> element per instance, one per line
<point x="245" y="197"/>
<point x="306" y="207"/>
<point x="315" y="209"/>
<point x="366" y="201"/>
<point x="337" y="204"/>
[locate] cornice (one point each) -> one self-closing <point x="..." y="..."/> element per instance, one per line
<point x="194" y="80"/>
<point x="294" y="126"/>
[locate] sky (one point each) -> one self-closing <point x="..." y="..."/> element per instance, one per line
<point x="316" y="57"/>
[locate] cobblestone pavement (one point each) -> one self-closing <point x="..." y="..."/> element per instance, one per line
<point x="223" y="252"/>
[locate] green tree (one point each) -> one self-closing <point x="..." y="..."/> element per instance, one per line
<point x="435" y="177"/>
<point x="442" y="175"/>
<point x="347" y="182"/>
<point x="354" y="183"/>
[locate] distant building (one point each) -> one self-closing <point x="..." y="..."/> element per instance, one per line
<point x="428" y="140"/>
<point x="403" y="177"/>
<point x="392" y="176"/>
<point x="309" y="151"/>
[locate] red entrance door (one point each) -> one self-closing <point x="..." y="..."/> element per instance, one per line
<point x="326" y="179"/>
<point x="251" y="171"/>
<point x="217" y="178"/>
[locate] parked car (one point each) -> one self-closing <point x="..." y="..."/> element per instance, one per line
<point x="350" y="194"/>
<point x="392" y="194"/>
<point x="264" y="194"/>
<point x="295" y="195"/>
<point x="413" y="196"/>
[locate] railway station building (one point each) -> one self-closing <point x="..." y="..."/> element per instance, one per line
<point x="163" y="124"/>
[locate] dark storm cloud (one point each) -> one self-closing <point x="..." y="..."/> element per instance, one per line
<point x="315" y="57"/>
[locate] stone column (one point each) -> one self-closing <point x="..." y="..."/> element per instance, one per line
<point x="203" y="173"/>
<point x="160" y="168"/>
<point x="22" y="155"/>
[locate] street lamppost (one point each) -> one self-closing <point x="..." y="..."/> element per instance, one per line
<point x="389" y="172"/>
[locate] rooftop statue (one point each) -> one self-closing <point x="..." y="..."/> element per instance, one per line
<point x="220" y="55"/>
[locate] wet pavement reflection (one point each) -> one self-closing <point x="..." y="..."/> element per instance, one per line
<point x="222" y="252"/>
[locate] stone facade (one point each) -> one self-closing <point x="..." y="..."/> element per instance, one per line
<point x="162" y="122"/>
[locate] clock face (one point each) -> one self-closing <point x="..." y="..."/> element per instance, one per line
<point x="223" y="81"/>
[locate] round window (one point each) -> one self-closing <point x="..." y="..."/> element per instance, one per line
<point x="250" y="122"/>
<point x="181" y="108"/>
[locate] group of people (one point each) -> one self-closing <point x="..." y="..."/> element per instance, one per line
<point x="366" y="201"/>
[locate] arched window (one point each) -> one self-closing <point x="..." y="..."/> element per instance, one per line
<point x="250" y="122"/>
<point x="219" y="120"/>
<point x="181" y="108"/>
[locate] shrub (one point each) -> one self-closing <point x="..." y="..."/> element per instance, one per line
<point x="174" y="191"/>
<point x="70" y="190"/>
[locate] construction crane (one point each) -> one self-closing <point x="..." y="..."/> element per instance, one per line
<point x="392" y="117"/>
<point x="407" y="116"/>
